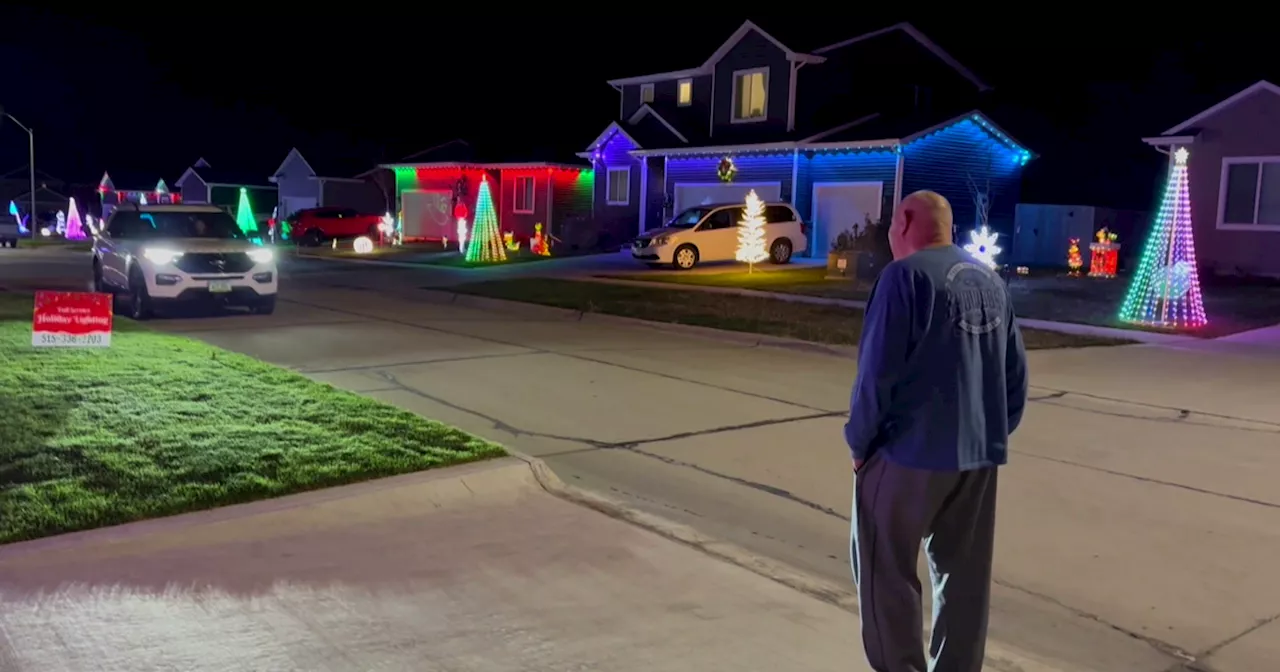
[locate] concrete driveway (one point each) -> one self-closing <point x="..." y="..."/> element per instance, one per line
<point x="1139" y="518"/>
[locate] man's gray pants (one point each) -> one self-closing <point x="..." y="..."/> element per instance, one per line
<point x="894" y="508"/>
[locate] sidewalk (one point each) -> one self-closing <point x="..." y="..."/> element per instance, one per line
<point x="472" y="568"/>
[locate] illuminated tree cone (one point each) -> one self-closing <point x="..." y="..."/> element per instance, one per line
<point x="75" y="228"/>
<point x="486" y="244"/>
<point x="1165" y="292"/>
<point x="244" y="215"/>
<point x="751" y="238"/>
<point x="1074" y="261"/>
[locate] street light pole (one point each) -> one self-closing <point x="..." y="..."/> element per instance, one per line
<point x="31" y="164"/>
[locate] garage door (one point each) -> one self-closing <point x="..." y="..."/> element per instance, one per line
<point x="691" y="195"/>
<point x="426" y="214"/>
<point x="840" y="206"/>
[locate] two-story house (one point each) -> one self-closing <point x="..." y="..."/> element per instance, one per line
<point x="842" y="132"/>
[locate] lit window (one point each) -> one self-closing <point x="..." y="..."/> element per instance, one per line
<point x="646" y="93"/>
<point x="619" y="186"/>
<point x="684" y="92"/>
<point x="750" y="95"/>
<point x="524" y="196"/>
<point x="1250" y="193"/>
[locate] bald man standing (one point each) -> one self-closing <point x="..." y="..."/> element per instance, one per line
<point x="942" y="382"/>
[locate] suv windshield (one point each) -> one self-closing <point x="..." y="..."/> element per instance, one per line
<point x="689" y="218"/>
<point x="160" y="224"/>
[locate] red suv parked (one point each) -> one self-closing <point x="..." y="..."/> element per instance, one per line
<point x="316" y="225"/>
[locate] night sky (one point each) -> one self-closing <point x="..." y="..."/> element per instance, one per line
<point x="147" y="92"/>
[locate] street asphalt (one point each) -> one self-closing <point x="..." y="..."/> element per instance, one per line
<point x="1139" y="518"/>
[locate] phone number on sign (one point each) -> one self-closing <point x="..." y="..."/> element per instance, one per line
<point x="71" y="339"/>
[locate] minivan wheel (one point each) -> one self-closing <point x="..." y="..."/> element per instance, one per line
<point x="780" y="252"/>
<point x="686" y="257"/>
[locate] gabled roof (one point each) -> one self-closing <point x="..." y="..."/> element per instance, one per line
<point x="709" y="65"/>
<point x="647" y="111"/>
<point x="1262" y="85"/>
<point x="287" y="157"/>
<point x="215" y="177"/>
<point x="918" y="36"/>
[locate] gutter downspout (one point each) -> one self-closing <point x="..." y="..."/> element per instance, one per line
<point x="791" y="96"/>
<point x="897" y="178"/>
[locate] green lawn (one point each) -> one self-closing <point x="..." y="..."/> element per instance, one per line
<point x="806" y="280"/>
<point x="460" y="261"/>
<point x="158" y="425"/>
<point x="821" y="324"/>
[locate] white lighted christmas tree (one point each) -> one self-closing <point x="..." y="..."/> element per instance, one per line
<point x="485" y="245"/>
<point x="751" y="238"/>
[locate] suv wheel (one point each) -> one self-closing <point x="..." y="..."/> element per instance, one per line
<point x="686" y="257"/>
<point x="312" y="238"/>
<point x="139" y="300"/>
<point x="780" y="252"/>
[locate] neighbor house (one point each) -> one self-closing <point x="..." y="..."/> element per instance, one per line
<point x="111" y="195"/>
<point x="301" y="187"/>
<point x="52" y="194"/>
<point x="429" y="185"/>
<point x="1233" y="173"/>
<point x="204" y="184"/>
<point x="842" y="132"/>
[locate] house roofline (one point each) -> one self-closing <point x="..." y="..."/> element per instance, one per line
<point x="613" y="125"/>
<point x="924" y="41"/>
<point x="487" y="166"/>
<point x="1169" y="140"/>
<point x="647" y="109"/>
<point x="321" y="178"/>
<point x="709" y="65"/>
<point x="1260" y="85"/>
<point x="288" y="156"/>
<point x="974" y="115"/>
<point x="768" y="148"/>
<point x="239" y="186"/>
<point x="191" y="171"/>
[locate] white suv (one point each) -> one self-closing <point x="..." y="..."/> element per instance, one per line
<point x="710" y="233"/>
<point x="163" y="254"/>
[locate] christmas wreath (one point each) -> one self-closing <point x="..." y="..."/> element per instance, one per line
<point x="726" y="170"/>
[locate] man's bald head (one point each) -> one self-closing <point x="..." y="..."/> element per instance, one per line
<point x="923" y="219"/>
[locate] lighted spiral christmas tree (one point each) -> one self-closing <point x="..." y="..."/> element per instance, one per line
<point x="1165" y="292"/>
<point x="75" y="227"/>
<point x="486" y="244"/>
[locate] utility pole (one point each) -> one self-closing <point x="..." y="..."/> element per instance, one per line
<point x="31" y="164"/>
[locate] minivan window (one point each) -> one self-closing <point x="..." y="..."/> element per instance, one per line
<point x="722" y="219"/>
<point x="776" y="214"/>
<point x="688" y="219"/>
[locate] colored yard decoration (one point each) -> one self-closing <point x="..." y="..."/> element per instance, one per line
<point x="539" y="244"/>
<point x="982" y="245"/>
<point x="75" y="227"/>
<point x="244" y="215"/>
<point x="510" y="242"/>
<point x="1104" y="256"/>
<point x="485" y="245"/>
<point x="1074" y="261"/>
<point x="1165" y="292"/>
<point x="751" y="233"/>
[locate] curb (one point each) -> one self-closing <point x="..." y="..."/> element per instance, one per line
<point x="444" y="295"/>
<point x="788" y="576"/>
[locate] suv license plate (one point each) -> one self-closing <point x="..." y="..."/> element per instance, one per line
<point x="219" y="287"/>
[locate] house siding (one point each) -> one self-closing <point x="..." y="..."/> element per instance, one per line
<point x="756" y="168"/>
<point x="752" y="51"/>
<point x="666" y="95"/>
<point x="193" y="190"/>
<point x="520" y="225"/>
<point x="817" y="168"/>
<point x="619" y="222"/>
<point x="294" y="179"/>
<point x="570" y="199"/>
<point x="1245" y="129"/>
<point x="945" y="160"/>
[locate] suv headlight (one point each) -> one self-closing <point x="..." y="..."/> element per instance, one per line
<point x="261" y="255"/>
<point x="660" y="240"/>
<point x="161" y="255"/>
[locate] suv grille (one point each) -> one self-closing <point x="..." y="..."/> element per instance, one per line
<point x="214" y="263"/>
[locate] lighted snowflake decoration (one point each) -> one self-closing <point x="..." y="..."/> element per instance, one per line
<point x="982" y="245"/>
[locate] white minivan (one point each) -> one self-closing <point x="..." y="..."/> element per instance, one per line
<point x="710" y="233"/>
